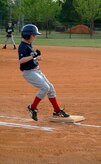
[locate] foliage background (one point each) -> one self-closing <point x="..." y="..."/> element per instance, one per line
<point x="53" y="17"/>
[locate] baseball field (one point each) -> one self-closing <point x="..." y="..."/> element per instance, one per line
<point x="76" y="75"/>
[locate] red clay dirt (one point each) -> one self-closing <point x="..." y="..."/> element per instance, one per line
<point x="79" y="29"/>
<point x="76" y="75"/>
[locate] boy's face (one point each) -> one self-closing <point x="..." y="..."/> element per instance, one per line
<point x="9" y="24"/>
<point x="33" y="36"/>
<point x="29" y="41"/>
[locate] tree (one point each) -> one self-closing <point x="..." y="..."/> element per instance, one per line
<point x="40" y="10"/>
<point x="68" y="13"/>
<point x="3" y="9"/>
<point x="89" y="10"/>
<point x="49" y="11"/>
<point x="33" y="11"/>
<point x="17" y="13"/>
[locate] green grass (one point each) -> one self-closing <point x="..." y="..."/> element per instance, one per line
<point x="60" y="40"/>
<point x="70" y="42"/>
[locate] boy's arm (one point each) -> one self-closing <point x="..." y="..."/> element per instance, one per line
<point x="34" y="55"/>
<point x="25" y="59"/>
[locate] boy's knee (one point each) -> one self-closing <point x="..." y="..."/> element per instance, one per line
<point x="46" y="88"/>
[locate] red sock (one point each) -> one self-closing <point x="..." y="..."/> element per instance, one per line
<point x="36" y="102"/>
<point x="55" y="104"/>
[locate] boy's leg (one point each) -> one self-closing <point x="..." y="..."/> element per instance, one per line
<point x="35" y="102"/>
<point x="57" y="110"/>
<point x="35" y="78"/>
<point x="6" y="41"/>
<point x="54" y="104"/>
<point x="13" y="41"/>
<point x="52" y="98"/>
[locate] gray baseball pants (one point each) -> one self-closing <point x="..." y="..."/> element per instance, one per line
<point x="38" y="79"/>
<point x="7" y="38"/>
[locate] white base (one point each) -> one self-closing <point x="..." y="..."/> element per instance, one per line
<point x="70" y="119"/>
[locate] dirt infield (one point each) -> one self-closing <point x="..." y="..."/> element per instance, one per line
<point x="76" y="75"/>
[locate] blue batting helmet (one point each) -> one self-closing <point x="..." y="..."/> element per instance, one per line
<point x="28" y="30"/>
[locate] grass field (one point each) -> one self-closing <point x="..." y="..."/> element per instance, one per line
<point x="70" y="42"/>
<point x="58" y="39"/>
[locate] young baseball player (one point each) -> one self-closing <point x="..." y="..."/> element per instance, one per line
<point x="9" y="31"/>
<point x="29" y="58"/>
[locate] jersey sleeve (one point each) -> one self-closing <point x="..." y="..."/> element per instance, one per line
<point x="21" y="52"/>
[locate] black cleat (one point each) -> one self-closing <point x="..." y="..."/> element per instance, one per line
<point x="14" y="47"/>
<point x="4" y="47"/>
<point x="61" y="113"/>
<point x="33" y="112"/>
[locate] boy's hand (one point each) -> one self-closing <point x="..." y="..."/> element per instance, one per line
<point x="38" y="58"/>
<point x="38" y="52"/>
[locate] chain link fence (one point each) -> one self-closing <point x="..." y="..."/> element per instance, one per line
<point x="49" y="30"/>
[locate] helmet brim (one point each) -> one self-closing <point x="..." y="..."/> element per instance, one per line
<point x="38" y="33"/>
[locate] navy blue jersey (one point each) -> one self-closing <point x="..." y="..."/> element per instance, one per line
<point x="9" y="30"/>
<point x="25" y="50"/>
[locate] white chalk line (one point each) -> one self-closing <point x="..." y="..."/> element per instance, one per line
<point x="94" y="126"/>
<point x="25" y="126"/>
<point x="16" y="118"/>
<point x="47" y="128"/>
